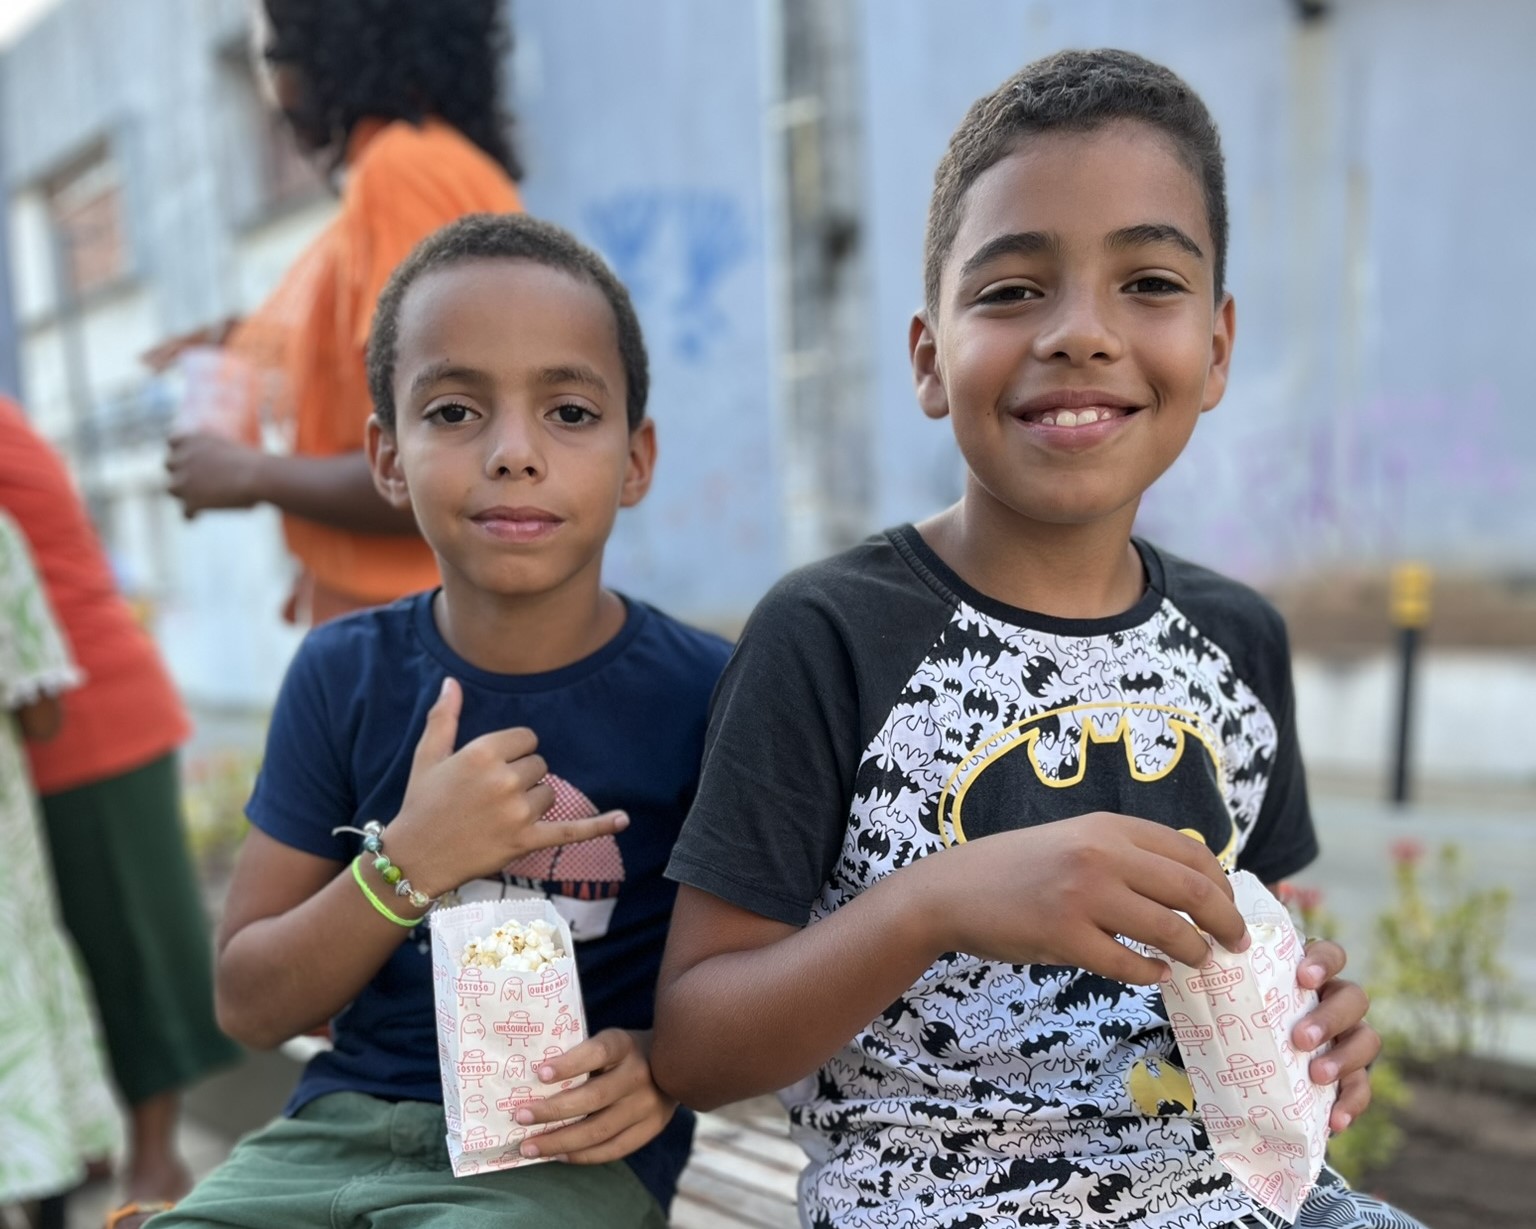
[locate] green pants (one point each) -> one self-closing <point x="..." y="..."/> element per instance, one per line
<point x="350" y="1161"/>
<point x="128" y="894"/>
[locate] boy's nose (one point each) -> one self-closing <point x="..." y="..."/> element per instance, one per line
<point x="1078" y="330"/>
<point x="515" y="452"/>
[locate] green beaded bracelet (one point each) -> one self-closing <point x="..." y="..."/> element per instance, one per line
<point x="373" y="898"/>
<point x="373" y="843"/>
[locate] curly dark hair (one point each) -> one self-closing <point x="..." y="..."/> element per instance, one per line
<point x="394" y="59"/>
<point x="504" y="236"/>
<point x="1074" y="91"/>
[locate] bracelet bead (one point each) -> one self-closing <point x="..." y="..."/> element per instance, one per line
<point x="373" y="899"/>
<point x="372" y="833"/>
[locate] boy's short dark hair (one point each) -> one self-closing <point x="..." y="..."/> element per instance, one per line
<point x="1074" y="91"/>
<point x="504" y="236"/>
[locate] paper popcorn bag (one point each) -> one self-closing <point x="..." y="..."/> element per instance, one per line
<point x="1232" y="1019"/>
<point x="501" y="1013"/>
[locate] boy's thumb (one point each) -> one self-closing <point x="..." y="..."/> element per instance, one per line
<point x="442" y="728"/>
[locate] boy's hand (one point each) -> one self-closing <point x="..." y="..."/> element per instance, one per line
<point x="467" y="813"/>
<point x="624" y="1109"/>
<point x="1339" y="1018"/>
<point x="1060" y="893"/>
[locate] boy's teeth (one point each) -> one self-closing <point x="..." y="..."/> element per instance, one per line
<point x="1077" y="418"/>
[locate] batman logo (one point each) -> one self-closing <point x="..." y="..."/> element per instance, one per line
<point x="1154" y="761"/>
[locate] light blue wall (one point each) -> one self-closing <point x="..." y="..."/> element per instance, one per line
<point x="1382" y="253"/>
<point x="1382" y="259"/>
<point x="643" y="129"/>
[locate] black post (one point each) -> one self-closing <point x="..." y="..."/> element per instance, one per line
<point x="51" y="1213"/>
<point x="1410" y="612"/>
<point x="1408" y="645"/>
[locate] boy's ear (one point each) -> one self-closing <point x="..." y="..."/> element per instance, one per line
<point x="383" y="451"/>
<point x="1222" y="337"/>
<point x="923" y="349"/>
<point x="642" y="464"/>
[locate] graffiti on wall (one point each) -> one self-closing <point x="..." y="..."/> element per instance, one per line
<point x="673" y="248"/>
<point x="1397" y="476"/>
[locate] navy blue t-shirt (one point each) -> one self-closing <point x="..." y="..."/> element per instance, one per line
<point x="620" y="729"/>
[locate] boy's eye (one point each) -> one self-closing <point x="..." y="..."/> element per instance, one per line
<point x="451" y="413"/>
<point x="574" y="415"/>
<point x="1009" y="294"/>
<point x="1154" y="285"/>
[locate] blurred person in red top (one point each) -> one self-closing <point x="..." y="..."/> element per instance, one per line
<point x="401" y="100"/>
<point x="112" y="812"/>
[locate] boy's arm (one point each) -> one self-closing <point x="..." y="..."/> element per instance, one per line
<point x="298" y="942"/>
<point x="746" y="1005"/>
<point x="300" y="939"/>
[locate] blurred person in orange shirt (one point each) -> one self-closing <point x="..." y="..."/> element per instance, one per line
<point x="402" y="101"/>
<point x="112" y="813"/>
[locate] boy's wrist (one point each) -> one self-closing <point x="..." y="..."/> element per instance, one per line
<point x="401" y="906"/>
<point x="917" y="917"/>
<point x="414" y="860"/>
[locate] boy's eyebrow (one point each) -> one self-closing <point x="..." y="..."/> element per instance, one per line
<point x="1149" y="233"/>
<point x="432" y="373"/>
<point x="574" y="373"/>
<point x="1017" y="243"/>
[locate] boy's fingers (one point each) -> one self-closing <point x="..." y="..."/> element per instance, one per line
<point x="1339" y="1010"/>
<point x="540" y="799"/>
<point x="1322" y="961"/>
<point x="1353" y="1099"/>
<point x="1103" y="955"/>
<point x="1182" y="847"/>
<point x="1354" y="1051"/>
<point x="594" y="1054"/>
<point x="509" y="745"/>
<point x="442" y="728"/>
<point x="529" y="771"/>
<point x="572" y="831"/>
<point x="591" y="1132"/>
<point x="1209" y="908"/>
<point x="620" y="1145"/>
<point x="1194" y="884"/>
<point x="1147" y="921"/>
<point x="590" y="1097"/>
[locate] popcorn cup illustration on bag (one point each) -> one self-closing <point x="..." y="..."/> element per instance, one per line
<point x="1232" y="1020"/>
<point x="508" y="1000"/>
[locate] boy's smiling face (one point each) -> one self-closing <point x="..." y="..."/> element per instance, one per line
<point x="511" y="441"/>
<point x="1078" y="336"/>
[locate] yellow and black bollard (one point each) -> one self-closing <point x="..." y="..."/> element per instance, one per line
<point x="1410" y="614"/>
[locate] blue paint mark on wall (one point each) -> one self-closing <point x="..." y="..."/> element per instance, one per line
<point x="673" y="248"/>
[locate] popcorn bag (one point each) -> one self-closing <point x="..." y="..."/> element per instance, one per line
<point x="504" y="980"/>
<point x="1232" y="1018"/>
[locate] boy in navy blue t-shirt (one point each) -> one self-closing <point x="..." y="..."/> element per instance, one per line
<point x="520" y="731"/>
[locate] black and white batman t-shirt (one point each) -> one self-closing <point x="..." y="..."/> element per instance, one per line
<point x="877" y="710"/>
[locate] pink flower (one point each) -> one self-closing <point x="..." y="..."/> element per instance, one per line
<point x="1308" y="899"/>
<point x="1286" y="892"/>
<point x="1407" y="851"/>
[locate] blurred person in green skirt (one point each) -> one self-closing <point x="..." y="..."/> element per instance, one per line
<point x="112" y="813"/>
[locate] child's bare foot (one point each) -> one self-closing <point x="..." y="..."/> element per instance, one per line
<point x="151" y="1187"/>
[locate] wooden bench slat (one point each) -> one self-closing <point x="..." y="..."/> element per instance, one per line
<point x="703" y="1192"/>
<point x="772" y="1150"/>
